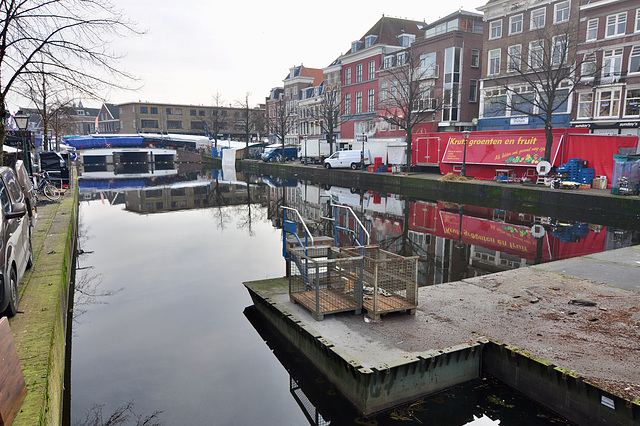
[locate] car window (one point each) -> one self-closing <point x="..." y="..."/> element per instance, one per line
<point x="14" y="187"/>
<point x="4" y="198"/>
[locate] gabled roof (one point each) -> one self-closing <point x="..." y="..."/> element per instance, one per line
<point x="303" y="71"/>
<point x="388" y="30"/>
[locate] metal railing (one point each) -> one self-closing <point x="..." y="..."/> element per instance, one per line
<point x="357" y="221"/>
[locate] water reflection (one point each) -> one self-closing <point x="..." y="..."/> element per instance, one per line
<point x="169" y="253"/>
<point x="453" y="241"/>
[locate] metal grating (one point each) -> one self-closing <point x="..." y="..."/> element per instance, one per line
<point x="390" y="281"/>
<point x="325" y="280"/>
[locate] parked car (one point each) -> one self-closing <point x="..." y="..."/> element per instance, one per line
<point x="348" y="158"/>
<point x="15" y="237"/>
<point x="28" y="191"/>
<point x="273" y="153"/>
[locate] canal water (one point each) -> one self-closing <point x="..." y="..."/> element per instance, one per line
<point x="164" y="329"/>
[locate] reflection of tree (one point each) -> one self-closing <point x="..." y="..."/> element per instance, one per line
<point x="216" y="197"/>
<point x="86" y="288"/>
<point x="123" y="415"/>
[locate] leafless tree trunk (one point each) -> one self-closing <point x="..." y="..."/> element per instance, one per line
<point x="217" y="119"/>
<point x="539" y="79"/>
<point x="283" y="123"/>
<point x="251" y="119"/>
<point x="409" y="98"/>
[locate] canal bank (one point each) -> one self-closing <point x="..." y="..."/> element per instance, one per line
<point x="564" y="333"/>
<point x="588" y="205"/>
<point x="40" y="327"/>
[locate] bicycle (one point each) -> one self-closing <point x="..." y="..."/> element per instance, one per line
<point x="46" y="188"/>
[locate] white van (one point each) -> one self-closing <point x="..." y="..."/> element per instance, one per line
<point x="348" y="158"/>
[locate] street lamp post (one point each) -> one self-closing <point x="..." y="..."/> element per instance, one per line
<point x="362" y="152"/>
<point x="465" y="136"/>
<point x="22" y="122"/>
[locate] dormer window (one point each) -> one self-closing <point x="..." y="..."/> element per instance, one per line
<point x="355" y="46"/>
<point x="388" y="61"/>
<point x="406" y="39"/>
<point x="369" y="40"/>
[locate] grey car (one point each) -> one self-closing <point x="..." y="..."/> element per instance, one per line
<point x="15" y="237"/>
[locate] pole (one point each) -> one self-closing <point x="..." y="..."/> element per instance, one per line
<point x="362" y="152"/>
<point x="465" y="136"/>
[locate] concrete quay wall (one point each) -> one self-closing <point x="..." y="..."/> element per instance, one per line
<point x="40" y="328"/>
<point x="383" y="386"/>
<point x="391" y="379"/>
<point x="588" y="205"/>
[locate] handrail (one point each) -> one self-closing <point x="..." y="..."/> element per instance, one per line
<point x="356" y="219"/>
<point x="301" y="221"/>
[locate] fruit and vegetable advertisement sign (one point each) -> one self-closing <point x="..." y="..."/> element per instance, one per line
<point x="507" y="150"/>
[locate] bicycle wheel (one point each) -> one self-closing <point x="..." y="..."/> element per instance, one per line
<point x="50" y="191"/>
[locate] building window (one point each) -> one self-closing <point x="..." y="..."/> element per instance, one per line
<point x="637" y="20"/>
<point x="383" y="91"/>
<point x="347" y="103"/>
<point x="495" y="29"/>
<point x="358" y="73"/>
<point x="585" y="105"/>
<point x="592" y="29"/>
<point x="473" y="90"/>
<point x="388" y="61"/>
<point x="372" y="70"/>
<point x="632" y="103"/>
<point x="494" y="62"/>
<point x="347" y="76"/>
<point x="201" y="113"/>
<point x="608" y="103"/>
<point x="371" y="103"/>
<point x="402" y="58"/>
<point x="154" y="110"/>
<point x="634" y="60"/>
<point x="358" y="102"/>
<point x="406" y="39"/>
<point x="536" y="54"/>
<point x="193" y="112"/>
<point x="616" y="24"/>
<point x="559" y="54"/>
<point x="169" y="111"/>
<point x="588" y="66"/>
<point x="369" y="40"/>
<point x="177" y="111"/>
<point x="149" y="124"/>
<point x="144" y="110"/>
<point x="475" y="58"/>
<point x="428" y="65"/>
<point x="197" y="125"/>
<point x="514" y="60"/>
<point x="561" y="12"/>
<point x="174" y="124"/>
<point x="537" y="18"/>
<point x="495" y="103"/>
<point x="515" y="24"/>
<point x="522" y="101"/>
<point x="612" y="62"/>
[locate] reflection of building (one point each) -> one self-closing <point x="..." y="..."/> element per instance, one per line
<point x="192" y="195"/>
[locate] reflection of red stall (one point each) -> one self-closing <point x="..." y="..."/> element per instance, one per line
<point x="521" y="150"/>
<point x="506" y="232"/>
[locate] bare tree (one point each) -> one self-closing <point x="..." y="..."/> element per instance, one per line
<point x="328" y="113"/>
<point x="250" y="121"/>
<point x="217" y="118"/>
<point x="67" y="38"/>
<point x="540" y="81"/>
<point x="409" y="97"/>
<point x="283" y="122"/>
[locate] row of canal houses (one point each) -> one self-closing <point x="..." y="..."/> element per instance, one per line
<point x="468" y="60"/>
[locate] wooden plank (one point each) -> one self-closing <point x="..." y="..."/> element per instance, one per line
<point x="13" y="389"/>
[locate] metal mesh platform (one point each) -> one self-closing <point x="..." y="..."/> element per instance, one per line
<point x="390" y="281"/>
<point x="325" y="280"/>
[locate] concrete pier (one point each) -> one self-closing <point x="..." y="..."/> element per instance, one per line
<point x="568" y="342"/>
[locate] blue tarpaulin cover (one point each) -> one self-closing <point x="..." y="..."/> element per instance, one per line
<point x="88" y="142"/>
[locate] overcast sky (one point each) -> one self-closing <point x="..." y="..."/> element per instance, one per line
<point x="197" y="48"/>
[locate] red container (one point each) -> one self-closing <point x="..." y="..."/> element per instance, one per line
<point x="377" y="162"/>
